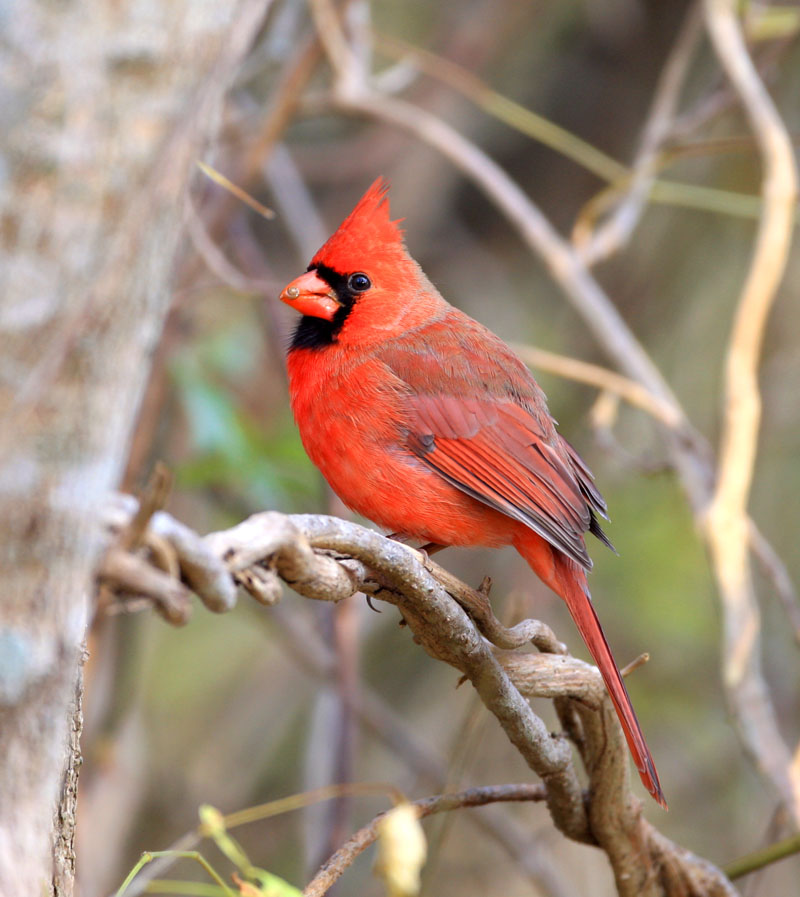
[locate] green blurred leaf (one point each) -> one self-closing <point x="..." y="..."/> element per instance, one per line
<point x="268" y="885"/>
<point x="264" y="465"/>
<point x="214" y="422"/>
<point x="272" y="886"/>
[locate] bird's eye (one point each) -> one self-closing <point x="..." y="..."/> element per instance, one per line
<point x="359" y="282"/>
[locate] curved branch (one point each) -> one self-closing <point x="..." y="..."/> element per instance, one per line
<point x="643" y="860"/>
<point x="330" y="559"/>
<point x="602" y="378"/>
<point x="447" y="633"/>
<point x="727" y="525"/>
<point x="297" y="549"/>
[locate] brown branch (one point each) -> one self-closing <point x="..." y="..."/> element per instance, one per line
<point x="643" y="860"/>
<point x="325" y="558"/>
<point x="132" y="575"/>
<point x="290" y="547"/>
<point x="214" y="258"/>
<point x="335" y="867"/>
<point x="383" y="722"/>
<point x="476" y="603"/>
<point x="448" y="634"/>
<point x="203" y="571"/>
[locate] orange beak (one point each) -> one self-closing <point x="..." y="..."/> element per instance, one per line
<point x="310" y="295"/>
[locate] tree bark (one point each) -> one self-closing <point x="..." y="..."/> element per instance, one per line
<point x="106" y="107"/>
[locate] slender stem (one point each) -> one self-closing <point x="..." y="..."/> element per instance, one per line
<point x="335" y="867"/>
<point x="765" y="857"/>
<point x="194" y="855"/>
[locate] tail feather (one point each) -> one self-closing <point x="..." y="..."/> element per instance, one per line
<point x="569" y="582"/>
<point x="585" y="617"/>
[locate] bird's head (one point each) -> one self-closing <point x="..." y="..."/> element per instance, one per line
<point x="362" y="285"/>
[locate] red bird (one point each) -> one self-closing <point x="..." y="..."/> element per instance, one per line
<point x="425" y="422"/>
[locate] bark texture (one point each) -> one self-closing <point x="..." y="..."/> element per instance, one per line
<point x="106" y="106"/>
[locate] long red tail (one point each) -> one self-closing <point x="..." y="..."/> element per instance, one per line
<point x="568" y="581"/>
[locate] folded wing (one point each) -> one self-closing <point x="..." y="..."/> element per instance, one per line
<point x="500" y="453"/>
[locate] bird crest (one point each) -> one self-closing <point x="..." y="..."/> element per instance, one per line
<point x="367" y="237"/>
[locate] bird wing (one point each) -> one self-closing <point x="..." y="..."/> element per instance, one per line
<point x="500" y="453"/>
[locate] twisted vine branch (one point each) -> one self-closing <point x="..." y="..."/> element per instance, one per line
<point x="328" y="559"/>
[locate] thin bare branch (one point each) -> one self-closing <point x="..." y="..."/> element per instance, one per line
<point x="602" y="378"/>
<point x="335" y="867"/>
<point x="476" y="603"/>
<point x="214" y="258"/>
<point x="340" y="54"/>
<point x="128" y="573"/>
<point x="615" y="232"/>
<point x="205" y="573"/>
<point x="727" y="526"/>
<point x="775" y="571"/>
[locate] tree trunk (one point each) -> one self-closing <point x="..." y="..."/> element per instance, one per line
<point x="106" y="107"/>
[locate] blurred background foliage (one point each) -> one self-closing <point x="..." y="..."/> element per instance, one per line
<point x="232" y="710"/>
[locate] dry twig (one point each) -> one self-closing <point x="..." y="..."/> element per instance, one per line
<point x="357" y="843"/>
<point x="615" y="232"/>
<point x="603" y="379"/>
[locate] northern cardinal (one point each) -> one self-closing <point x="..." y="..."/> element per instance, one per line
<point x="425" y="422"/>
